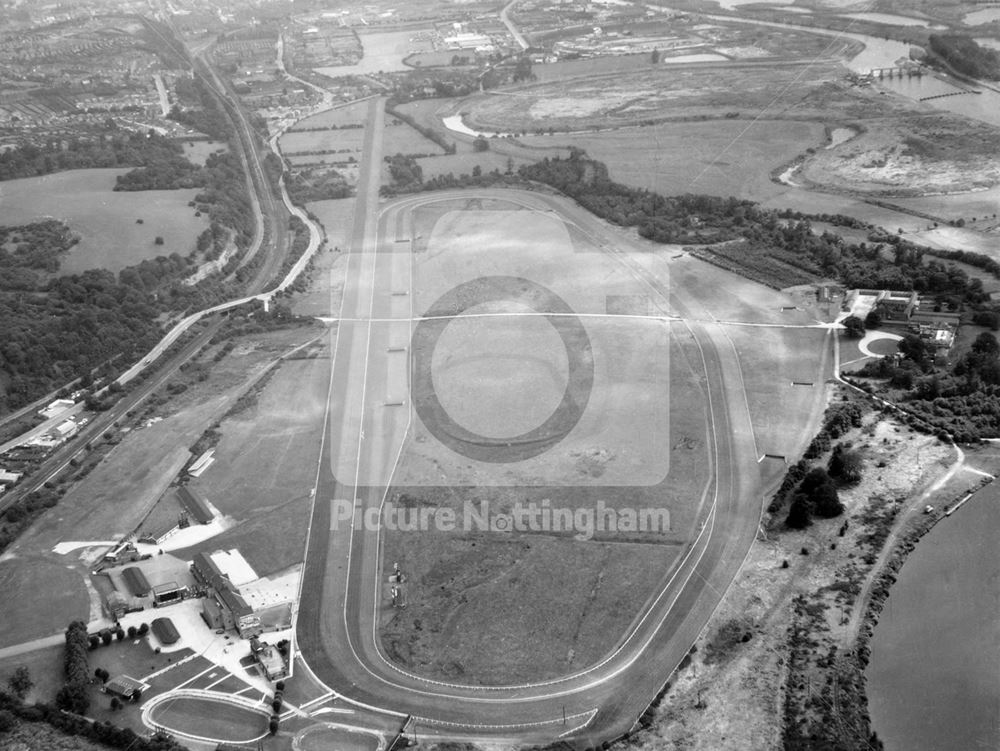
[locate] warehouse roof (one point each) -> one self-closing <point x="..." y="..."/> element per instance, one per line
<point x="136" y="581"/>
<point x="195" y="503"/>
<point x="165" y="630"/>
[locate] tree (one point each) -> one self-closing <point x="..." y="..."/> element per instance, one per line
<point x="655" y="57"/>
<point x="854" y="327"/>
<point x="73" y="698"/>
<point x="873" y="320"/>
<point x="914" y="348"/>
<point x="116" y="703"/>
<point x="20" y="682"/>
<point x="106" y="637"/>
<point x="799" y="512"/>
<point x="846" y="464"/>
<point x="132" y="631"/>
<point x="826" y="501"/>
<point x="986" y="344"/>
<point x="158" y="240"/>
<point x="480" y="144"/>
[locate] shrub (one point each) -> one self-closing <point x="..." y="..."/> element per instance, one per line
<point x="7" y="721"/>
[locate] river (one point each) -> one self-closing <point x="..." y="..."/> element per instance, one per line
<point x="934" y="677"/>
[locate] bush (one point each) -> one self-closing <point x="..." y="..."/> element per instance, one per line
<point x="7" y="721"/>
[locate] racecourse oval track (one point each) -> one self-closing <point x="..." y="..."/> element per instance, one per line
<point x="337" y="620"/>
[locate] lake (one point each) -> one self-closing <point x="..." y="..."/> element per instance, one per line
<point x="934" y="677"/>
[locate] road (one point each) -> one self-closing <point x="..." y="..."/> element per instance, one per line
<point x="367" y="423"/>
<point x="514" y="32"/>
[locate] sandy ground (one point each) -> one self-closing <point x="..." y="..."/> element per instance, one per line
<point x="908" y="157"/>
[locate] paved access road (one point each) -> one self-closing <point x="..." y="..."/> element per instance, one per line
<point x="368" y="419"/>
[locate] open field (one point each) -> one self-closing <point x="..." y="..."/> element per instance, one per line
<point x="336" y="117"/>
<point x="346" y="141"/>
<point x="719" y="157"/>
<point x="668" y="92"/>
<point x="639" y="442"/>
<point x="464" y="163"/>
<point x="34" y="617"/>
<point x="322" y="297"/>
<point x="211" y="719"/>
<point x="400" y="138"/>
<point x="46" y="668"/>
<point x="198" y="151"/>
<point x="783" y="376"/>
<point x="106" y="221"/>
<point x="265" y="467"/>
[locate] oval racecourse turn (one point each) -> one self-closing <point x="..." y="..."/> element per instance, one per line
<point x="200" y="716"/>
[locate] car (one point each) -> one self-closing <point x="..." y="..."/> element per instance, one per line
<point x="928" y="509"/>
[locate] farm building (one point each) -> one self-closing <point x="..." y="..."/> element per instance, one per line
<point x="136" y="581"/>
<point x="196" y="504"/>
<point x="125" y="687"/>
<point x="165" y="631"/>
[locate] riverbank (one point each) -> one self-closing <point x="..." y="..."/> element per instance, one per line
<point x="777" y="664"/>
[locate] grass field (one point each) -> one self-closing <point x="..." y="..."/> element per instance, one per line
<point x="464" y="163"/>
<point x="400" y="138"/>
<point x="719" y="157"/>
<point x="476" y="597"/>
<point x="322" y="297"/>
<point x="349" y="114"/>
<point x="34" y="617"/>
<point x="46" y="668"/>
<point x="106" y="221"/>
<point x="211" y="719"/>
<point x="265" y="466"/>
<point x="666" y="92"/>
<point x="199" y="151"/>
<point x="346" y="141"/>
<point x="321" y="738"/>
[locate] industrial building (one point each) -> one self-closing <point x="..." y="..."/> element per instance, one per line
<point x="165" y="631"/>
<point x="136" y="581"/>
<point x="222" y="573"/>
<point x="164" y="594"/>
<point x="196" y="504"/>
